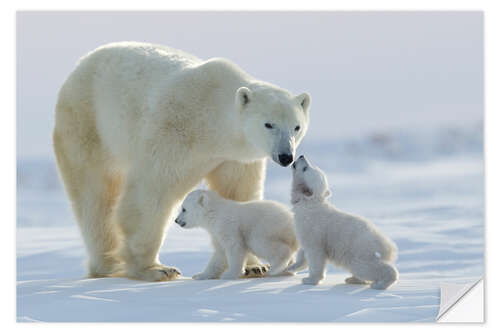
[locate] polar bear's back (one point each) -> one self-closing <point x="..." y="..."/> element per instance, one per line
<point x="117" y="83"/>
<point x="126" y="75"/>
<point x="126" y="68"/>
<point x="129" y="55"/>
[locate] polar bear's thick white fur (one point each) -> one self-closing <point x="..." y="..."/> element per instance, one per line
<point x="261" y="227"/>
<point x="138" y="126"/>
<point x="327" y="234"/>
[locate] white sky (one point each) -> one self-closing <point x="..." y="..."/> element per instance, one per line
<point x="365" y="71"/>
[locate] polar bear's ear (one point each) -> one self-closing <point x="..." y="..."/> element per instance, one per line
<point x="327" y="194"/>
<point x="243" y="96"/>
<point x="304" y="100"/>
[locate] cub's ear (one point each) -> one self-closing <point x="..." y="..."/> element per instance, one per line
<point x="327" y="194"/>
<point x="203" y="199"/>
<point x="304" y="100"/>
<point x="243" y="96"/>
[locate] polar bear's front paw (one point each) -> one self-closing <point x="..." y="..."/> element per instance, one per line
<point x="157" y="273"/>
<point x="256" y="271"/>
<point x="310" y="280"/>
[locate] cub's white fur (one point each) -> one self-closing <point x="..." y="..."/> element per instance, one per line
<point x="138" y="126"/>
<point x="263" y="228"/>
<point x="326" y="234"/>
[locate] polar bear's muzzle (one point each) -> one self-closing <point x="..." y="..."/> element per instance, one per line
<point x="285" y="150"/>
<point x="285" y="159"/>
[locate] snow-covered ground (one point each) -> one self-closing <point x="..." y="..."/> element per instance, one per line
<point x="424" y="189"/>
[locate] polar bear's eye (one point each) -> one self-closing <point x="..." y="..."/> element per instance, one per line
<point x="297" y="128"/>
<point x="304" y="169"/>
<point x="183" y="209"/>
<point x="268" y="125"/>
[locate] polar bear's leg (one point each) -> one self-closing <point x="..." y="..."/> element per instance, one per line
<point x="241" y="182"/>
<point x="317" y="260"/>
<point x="382" y="274"/>
<point x="236" y="257"/>
<point x="142" y="215"/>
<point x="282" y="255"/>
<point x="238" y="181"/>
<point x="97" y="200"/>
<point x="92" y="188"/>
<point x="300" y="263"/>
<point x="216" y="266"/>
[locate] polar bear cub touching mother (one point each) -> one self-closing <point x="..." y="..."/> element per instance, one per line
<point x="327" y="233"/>
<point x="260" y="227"/>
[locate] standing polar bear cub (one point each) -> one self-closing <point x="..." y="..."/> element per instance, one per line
<point x="264" y="228"/>
<point x="327" y="233"/>
<point x="138" y="126"/>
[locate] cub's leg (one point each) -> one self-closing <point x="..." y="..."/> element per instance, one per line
<point x="216" y="266"/>
<point x="381" y="273"/>
<point x="241" y="182"/>
<point x="317" y="260"/>
<point x="236" y="256"/>
<point x="282" y="254"/>
<point x="300" y="263"/>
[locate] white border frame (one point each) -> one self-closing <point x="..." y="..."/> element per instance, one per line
<point x="8" y="70"/>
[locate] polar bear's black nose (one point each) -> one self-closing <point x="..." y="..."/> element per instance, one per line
<point x="285" y="159"/>
<point x="301" y="156"/>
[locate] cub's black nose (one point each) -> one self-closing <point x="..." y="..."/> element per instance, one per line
<point x="285" y="159"/>
<point x="301" y="156"/>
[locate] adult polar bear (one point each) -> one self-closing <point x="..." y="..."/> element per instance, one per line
<point x="138" y="126"/>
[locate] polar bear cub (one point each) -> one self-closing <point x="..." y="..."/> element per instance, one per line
<point x="326" y="234"/>
<point x="262" y="228"/>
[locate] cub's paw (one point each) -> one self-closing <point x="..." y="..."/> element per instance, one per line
<point x="355" y="280"/>
<point x="229" y="276"/>
<point x="256" y="271"/>
<point x="381" y="285"/>
<point x="156" y="273"/>
<point x="285" y="273"/>
<point x="311" y="281"/>
<point x="203" y="276"/>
